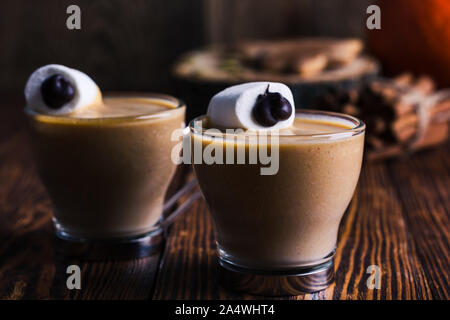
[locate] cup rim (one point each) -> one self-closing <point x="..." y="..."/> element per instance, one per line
<point x="358" y="128"/>
<point x="177" y="103"/>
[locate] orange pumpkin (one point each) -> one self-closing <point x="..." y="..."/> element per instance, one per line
<point x="414" y="36"/>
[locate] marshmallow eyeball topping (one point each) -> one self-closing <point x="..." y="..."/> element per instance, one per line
<point x="55" y="89"/>
<point x="254" y="106"/>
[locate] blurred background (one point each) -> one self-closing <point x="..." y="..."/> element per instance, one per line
<point x="135" y="45"/>
<point x="395" y="79"/>
<point x="131" y="45"/>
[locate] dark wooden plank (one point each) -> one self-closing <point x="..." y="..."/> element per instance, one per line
<point x="30" y="265"/>
<point x="423" y="184"/>
<point x="266" y="19"/>
<point x="123" y="45"/>
<point x="131" y="45"/>
<point x="377" y="235"/>
<point x="12" y="118"/>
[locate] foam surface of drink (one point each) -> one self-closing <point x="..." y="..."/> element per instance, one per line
<point x="304" y="125"/>
<point x="113" y="107"/>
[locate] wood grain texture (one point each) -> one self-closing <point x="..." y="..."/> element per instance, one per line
<point x="398" y="220"/>
<point x="407" y="242"/>
<point x="423" y="187"/>
<point x="123" y="45"/>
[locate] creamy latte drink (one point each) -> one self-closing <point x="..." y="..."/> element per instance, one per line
<point x="291" y="218"/>
<point x="286" y="222"/>
<point x="106" y="165"/>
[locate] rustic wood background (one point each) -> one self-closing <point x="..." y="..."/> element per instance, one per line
<point x="398" y="220"/>
<point x="130" y="45"/>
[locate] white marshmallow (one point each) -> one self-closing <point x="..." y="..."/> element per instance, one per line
<point x="233" y="107"/>
<point x="86" y="90"/>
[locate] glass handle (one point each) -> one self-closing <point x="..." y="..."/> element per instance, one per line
<point x="170" y="218"/>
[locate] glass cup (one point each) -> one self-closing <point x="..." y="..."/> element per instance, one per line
<point x="107" y="177"/>
<point x="277" y="233"/>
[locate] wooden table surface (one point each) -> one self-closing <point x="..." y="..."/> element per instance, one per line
<point x="398" y="220"/>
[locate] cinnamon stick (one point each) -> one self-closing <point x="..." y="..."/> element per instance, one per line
<point x="393" y="110"/>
